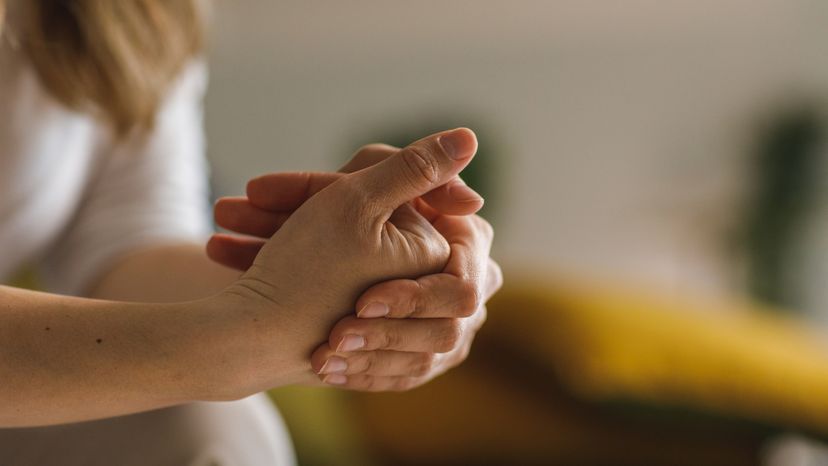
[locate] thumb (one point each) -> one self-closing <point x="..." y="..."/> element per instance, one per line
<point x="416" y="169"/>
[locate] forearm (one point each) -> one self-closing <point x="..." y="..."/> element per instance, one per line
<point x="176" y="272"/>
<point x="65" y="359"/>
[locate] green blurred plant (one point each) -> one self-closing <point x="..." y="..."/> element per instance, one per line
<point x="786" y="160"/>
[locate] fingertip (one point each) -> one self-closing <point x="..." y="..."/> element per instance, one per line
<point x="210" y="247"/>
<point x="335" y="379"/>
<point x="319" y="356"/>
<point x="252" y="185"/>
<point x="460" y="192"/>
<point x="269" y="190"/>
<point x="346" y="325"/>
<point x="373" y="310"/>
<point x="217" y="244"/>
<point x="225" y="209"/>
<point x="233" y="251"/>
<point x="447" y="206"/>
<point x="255" y="188"/>
<point x="216" y="249"/>
<point x="459" y="143"/>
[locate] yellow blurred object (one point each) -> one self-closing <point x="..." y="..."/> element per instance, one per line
<point x="732" y="357"/>
<point x="321" y="425"/>
<point x="581" y="373"/>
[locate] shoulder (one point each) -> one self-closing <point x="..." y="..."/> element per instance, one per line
<point x="190" y="84"/>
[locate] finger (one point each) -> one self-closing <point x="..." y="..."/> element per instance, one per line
<point x="239" y="215"/>
<point x="428" y="212"/>
<point x="367" y="156"/>
<point x="233" y="251"/>
<point x="326" y="361"/>
<point x="457" y="292"/>
<point x="431" y="366"/>
<point x="413" y="335"/>
<point x="431" y="296"/>
<point x="285" y="192"/>
<point x="370" y="383"/>
<point x="470" y="239"/>
<point x="416" y="169"/>
<point x="494" y="279"/>
<point x="452" y="198"/>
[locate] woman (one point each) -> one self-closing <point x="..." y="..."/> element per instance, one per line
<point x="103" y="182"/>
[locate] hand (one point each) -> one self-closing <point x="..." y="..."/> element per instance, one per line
<point x="443" y="310"/>
<point x="272" y="198"/>
<point x="429" y="323"/>
<point x="352" y="232"/>
<point x="432" y="321"/>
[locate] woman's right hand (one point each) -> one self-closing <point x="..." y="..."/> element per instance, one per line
<point x="359" y="229"/>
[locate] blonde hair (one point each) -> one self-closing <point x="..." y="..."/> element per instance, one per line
<point x="115" y="59"/>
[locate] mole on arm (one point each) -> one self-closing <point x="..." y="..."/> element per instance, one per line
<point x="98" y="341"/>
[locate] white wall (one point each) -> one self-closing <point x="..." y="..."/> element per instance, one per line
<point x="623" y="122"/>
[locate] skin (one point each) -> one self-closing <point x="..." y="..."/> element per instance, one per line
<point x="410" y="330"/>
<point x="66" y="359"/>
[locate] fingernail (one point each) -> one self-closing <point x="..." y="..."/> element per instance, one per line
<point x="372" y="310"/>
<point x="335" y="379"/>
<point x="334" y="365"/>
<point x="351" y="343"/>
<point x="460" y="192"/>
<point x="457" y="144"/>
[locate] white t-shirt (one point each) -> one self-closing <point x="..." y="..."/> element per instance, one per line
<point x="73" y="200"/>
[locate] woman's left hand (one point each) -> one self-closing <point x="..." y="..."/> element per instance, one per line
<point x="405" y="332"/>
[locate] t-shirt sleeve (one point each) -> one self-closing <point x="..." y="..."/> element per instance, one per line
<point x="146" y="191"/>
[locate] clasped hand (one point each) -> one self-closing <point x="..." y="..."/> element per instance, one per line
<point x="385" y="262"/>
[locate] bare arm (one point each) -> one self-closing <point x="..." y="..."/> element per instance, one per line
<point x="175" y="272"/>
<point x="68" y="359"/>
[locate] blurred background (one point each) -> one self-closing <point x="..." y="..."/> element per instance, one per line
<point x="656" y="175"/>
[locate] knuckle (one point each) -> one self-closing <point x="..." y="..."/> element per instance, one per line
<point x="497" y="274"/>
<point x="424" y="364"/>
<point x="402" y="384"/>
<point x="441" y="249"/>
<point x="420" y="164"/>
<point x="419" y="304"/>
<point x="370" y="384"/>
<point x="390" y="340"/>
<point x="436" y="252"/>
<point x="369" y="363"/>
<point x="470" y="299"/>
<point x="450" y="336"/>
<point x="485" y="227"/>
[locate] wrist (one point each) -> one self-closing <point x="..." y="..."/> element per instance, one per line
<point x="240" y="344"/>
